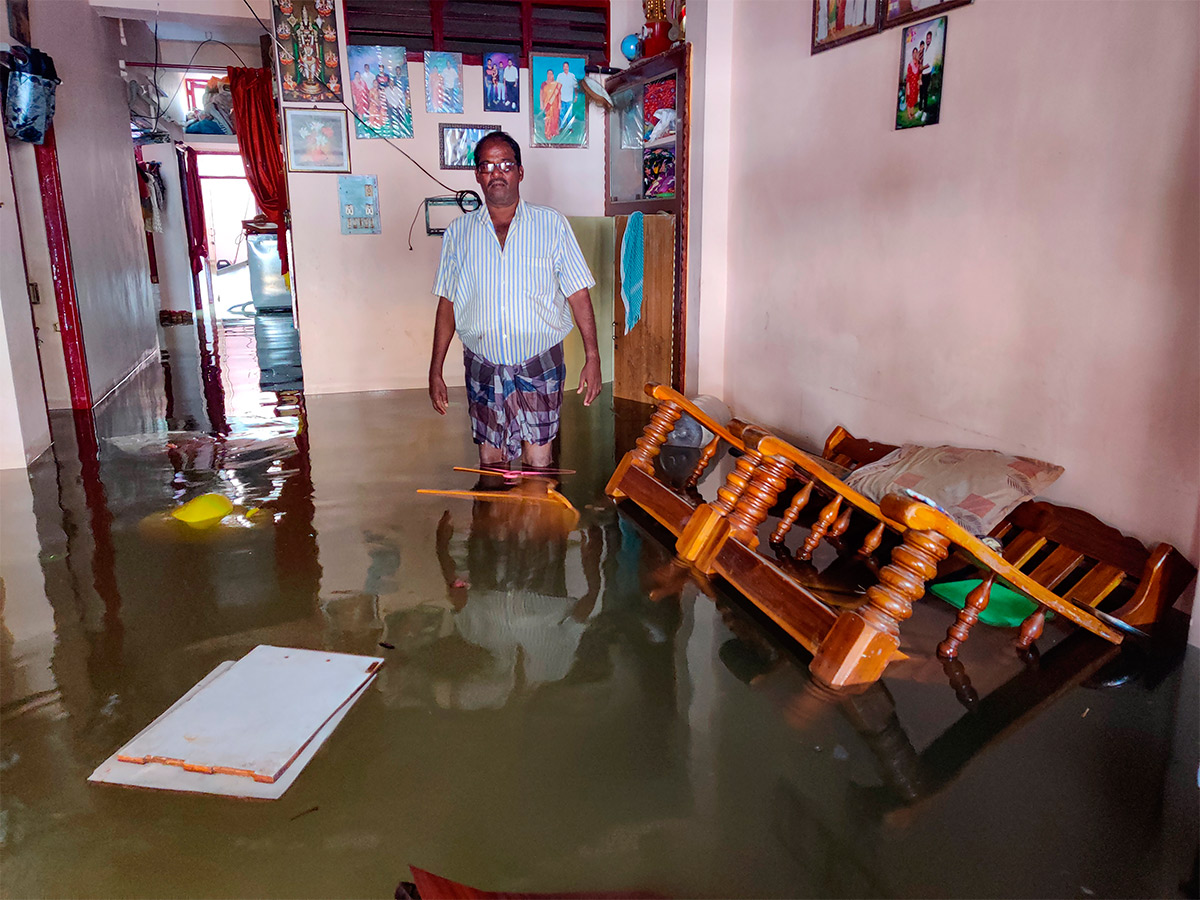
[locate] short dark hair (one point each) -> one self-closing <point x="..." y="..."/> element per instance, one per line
<point x="503" y="136"/>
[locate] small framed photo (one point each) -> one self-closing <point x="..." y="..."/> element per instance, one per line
<point x="837" y="22"/>
<point x="456" y="144"/>
<point x="443" y="82"/>
<point x="901" y="12"/>
<point x="501" y="82"/>
<point x="559" y="108"/>
<point x="316" y="140"/>
<point x="922" y="61"/>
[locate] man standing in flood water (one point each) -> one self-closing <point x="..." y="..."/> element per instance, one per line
<point x="512" y="282"/>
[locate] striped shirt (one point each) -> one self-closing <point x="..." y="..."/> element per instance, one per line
<point x="510" y="304"/>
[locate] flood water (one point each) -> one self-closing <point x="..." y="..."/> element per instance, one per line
<point x="559" y="709"/>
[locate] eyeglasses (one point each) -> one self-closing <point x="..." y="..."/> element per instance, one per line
<point x="487" y="168"/>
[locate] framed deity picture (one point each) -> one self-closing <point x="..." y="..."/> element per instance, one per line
<point x="501" y="82"/>
<point x="456" y="144"/>
<point x="316" y="140"/>
<point x="443" y="82"/>
<point x="837" y="22"/>
<point x="559" y="108"/>
<point x="901" y="12"/>
<point x="379" y="91"/>
<point x="922" y="61"/>
<point x="306" y="36"/>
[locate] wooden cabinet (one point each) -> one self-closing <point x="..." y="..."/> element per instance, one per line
<point x="646" y="171"/>
<point x="644" y="352"/>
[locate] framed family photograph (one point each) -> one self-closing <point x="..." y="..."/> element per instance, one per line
<point x="559" y="108"/>
<point x="501" y="82"/>
<point x="316" y="140"/>
<point x="379" y="92"/>
<point x="837" y="22"/>
<point x="456" y="144"/>
<point x="901" y="12"/>
<point x="922" y="60"/>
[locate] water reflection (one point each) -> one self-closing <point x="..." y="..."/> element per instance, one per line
<point x="563" y="707"/>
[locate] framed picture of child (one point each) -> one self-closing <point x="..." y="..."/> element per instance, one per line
<point x="501" y="82"/>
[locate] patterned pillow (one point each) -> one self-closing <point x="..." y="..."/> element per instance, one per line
<point x="977" y="488"/>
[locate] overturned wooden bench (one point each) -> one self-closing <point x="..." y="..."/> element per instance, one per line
<point x="1064" y="560"/>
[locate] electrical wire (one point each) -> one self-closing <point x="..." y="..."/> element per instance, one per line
<point x="460" y="197"/>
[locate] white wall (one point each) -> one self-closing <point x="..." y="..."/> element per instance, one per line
<point x="108" y="244"/>
<point x="1021" y="276"/>
<point x="364" y="301"/>
<point x="24" y="425"/>
<point x="710" y="31"/>
<point x="175" y="288"/>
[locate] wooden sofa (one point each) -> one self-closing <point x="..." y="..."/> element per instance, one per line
<point x="1063" y="559"/>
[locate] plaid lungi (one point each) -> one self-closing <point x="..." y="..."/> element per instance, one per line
<point x="511" y="404"/>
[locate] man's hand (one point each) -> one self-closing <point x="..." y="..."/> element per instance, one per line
<point x="589" y="381"/>
<point x="437" y="393"/>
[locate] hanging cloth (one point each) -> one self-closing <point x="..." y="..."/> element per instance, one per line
<point x="153" y="193"/>
<point x="29" y="96"/>
<point x="193" y="207"/>
<point x="257" y="130"/>
<point x="632" y="269"/>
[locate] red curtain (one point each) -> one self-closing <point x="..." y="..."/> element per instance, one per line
<point x="257" y="128"/>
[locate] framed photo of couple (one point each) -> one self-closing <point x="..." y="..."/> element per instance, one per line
<point x="837" y="22"/>
<point x="559" y="108"/>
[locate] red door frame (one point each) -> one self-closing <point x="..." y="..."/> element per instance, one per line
<point x="63" y="271"/>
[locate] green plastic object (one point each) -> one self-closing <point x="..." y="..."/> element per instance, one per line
<point x="1005" y="609"/>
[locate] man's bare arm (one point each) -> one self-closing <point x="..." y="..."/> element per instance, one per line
<point x="585" y="320"/>
<point x="443" y="331"/>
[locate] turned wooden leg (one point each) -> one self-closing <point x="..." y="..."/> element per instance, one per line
<point x="649" y="445"/>
<point x="1031" y="629"/>
<point x="709" y="527"/>
<point x="736" y="482"/>
<point x="763" y="489"/>
<point x="789" y="517"/>
<point x="902" y="581"/>
<point x="706" y="458"/>
<point x="862" y="641"/>
<point x="957" y="633"/>
<point x="820" y="527"/>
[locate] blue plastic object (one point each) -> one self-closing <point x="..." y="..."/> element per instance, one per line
<point x="630" y="45"/>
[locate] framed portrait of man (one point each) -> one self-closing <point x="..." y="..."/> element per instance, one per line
<point x="837" y="22"/>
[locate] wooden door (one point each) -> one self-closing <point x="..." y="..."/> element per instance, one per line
<point x="645" y="353"/>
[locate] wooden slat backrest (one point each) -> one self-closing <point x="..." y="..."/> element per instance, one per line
<point x="1061" y="562"/>
<point x="1097" y="584"/>
<point x="1081" y="531"/>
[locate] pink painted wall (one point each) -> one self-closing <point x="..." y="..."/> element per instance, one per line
<point x="1023" y="276"/>
<point x="108" y="244"/>
<point x="365" y="307"/>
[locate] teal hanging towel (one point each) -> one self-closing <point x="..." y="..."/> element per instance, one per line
<point x="632" y="269"/>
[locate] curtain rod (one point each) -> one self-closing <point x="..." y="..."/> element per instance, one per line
<point x="150" y="65"/>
